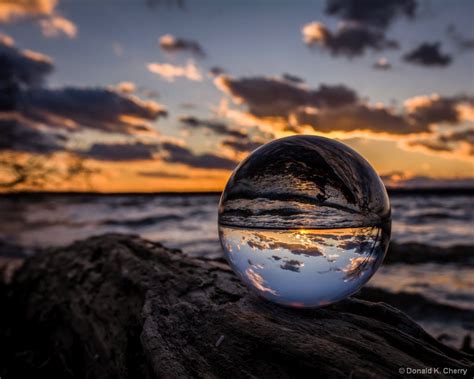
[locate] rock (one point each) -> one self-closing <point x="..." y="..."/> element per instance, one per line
<point x="466" y="345"/>
<point x="118" y="306"/>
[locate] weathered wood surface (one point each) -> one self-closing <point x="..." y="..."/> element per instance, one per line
<point x="118" y="306"/>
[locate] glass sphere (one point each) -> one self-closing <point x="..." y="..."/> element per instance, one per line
<point x="304" y="221"/>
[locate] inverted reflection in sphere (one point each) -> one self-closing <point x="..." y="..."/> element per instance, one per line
<point x="304" y="221"/>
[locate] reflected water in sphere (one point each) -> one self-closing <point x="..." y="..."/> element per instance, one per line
<point x="304" y="221"/>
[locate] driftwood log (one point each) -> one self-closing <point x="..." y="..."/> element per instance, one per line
<point x="118" y="306"/>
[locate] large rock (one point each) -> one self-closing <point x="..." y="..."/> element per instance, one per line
<point x="118" y="306"/>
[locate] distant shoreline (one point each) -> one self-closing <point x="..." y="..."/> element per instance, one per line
<point x="391" y="191"/>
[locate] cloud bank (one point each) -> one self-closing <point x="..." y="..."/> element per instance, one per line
<point x="285" y="106"/>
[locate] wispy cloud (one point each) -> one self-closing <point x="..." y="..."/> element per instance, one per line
<point x="172" y="44"/>
<point x="462" y="42"/>
<point x="52" y="23"/>
<point x="212" y="125"/>
<point x="161" y="151"/>
<point x="115" y="152"/>
<point x="382" y="64"/>
<point x="170" y="72"/>
<point x="57" y="25"/>
<point x="457" y="142"/>
<point x="180" y="154"/>
<point x="126" y="87"/>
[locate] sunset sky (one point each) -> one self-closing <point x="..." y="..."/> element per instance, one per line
<point x="170" y="96"/>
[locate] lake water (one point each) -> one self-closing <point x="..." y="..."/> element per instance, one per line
<point x="190" y="222"/>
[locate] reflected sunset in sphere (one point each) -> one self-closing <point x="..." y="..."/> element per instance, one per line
<point x="304" y="221"/>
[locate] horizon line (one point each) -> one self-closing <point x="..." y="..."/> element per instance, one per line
<point x="390" y="190"/>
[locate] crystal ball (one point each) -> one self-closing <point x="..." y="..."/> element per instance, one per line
<point x="304" y="221"/>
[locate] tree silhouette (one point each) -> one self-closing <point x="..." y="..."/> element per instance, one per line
<point x="42" y="170"/>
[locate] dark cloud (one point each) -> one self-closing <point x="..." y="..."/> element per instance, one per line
<point x="419" y="114"/>
<point x="338" y="108"/>
<point x="428" y="54"/>
<point x="460" y="142"/>
<point x="216" y="71"/>
<point x="462" y="42"/>
<point x="22" y="66"/>
<point x="429" y="110"/>
<point x="165" y="151"/>
<point x="270" y="97"/>
<point x="242" y="145"/>
<point x="172" y="44"/>
<point x="292" y="78"/>
<point x="358" y="117"/>
<point x="372" y="12"/>
<point x="350" y="39"/>
<point x="292" y="265"/>
<point x="16" y="136"/>
<point x="121" y="151"/>
<point x="180" y="154"/>
<point x="217" y="127"/>
<point x="332" y="96"/>
<point x="90" y="108"/>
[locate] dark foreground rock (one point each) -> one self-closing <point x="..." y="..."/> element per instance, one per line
<point x="119" y="306"/>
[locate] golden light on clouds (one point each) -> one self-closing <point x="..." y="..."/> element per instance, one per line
<point x="314" y="32"/>
<point x="170" y="72"/>
<point x="52" y="23"/>
<point x="15" y="9"/>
